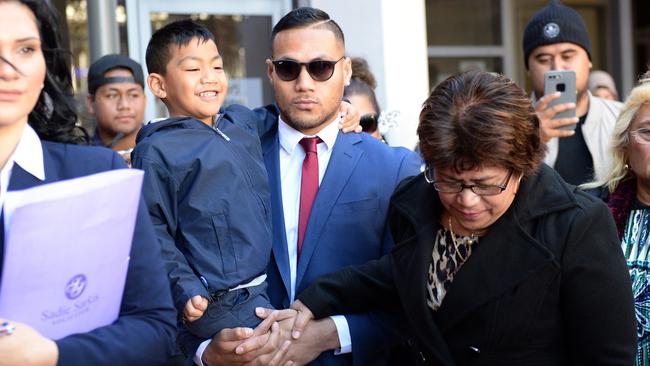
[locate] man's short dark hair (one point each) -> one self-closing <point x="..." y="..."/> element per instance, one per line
<point x="179" y="33"/>
<point x="305" y="17"/>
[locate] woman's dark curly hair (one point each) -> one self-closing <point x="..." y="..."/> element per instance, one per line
<point x="53" y="117"/>
<point x="362" y="82"/>
<point x="477" y="119"/>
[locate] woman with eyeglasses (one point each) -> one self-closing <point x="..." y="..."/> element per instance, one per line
<point x="626" y="189"/>
<point x="497" y="261"/>
<point x="39" y="144"/>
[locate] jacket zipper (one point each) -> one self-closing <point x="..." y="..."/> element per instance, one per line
<point x="249" y="179"/>
<point x="214" y="127"/>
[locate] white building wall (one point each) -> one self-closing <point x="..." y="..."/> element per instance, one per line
<point x="391" y="35"/>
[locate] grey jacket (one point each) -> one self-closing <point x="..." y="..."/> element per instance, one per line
<point x="597" y="131"/>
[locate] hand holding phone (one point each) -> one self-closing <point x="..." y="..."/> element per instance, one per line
<point x="563" y="82"/>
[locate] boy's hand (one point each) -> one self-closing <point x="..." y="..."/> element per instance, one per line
<point x="194" y="308"/>
<point x="350" y="118"/>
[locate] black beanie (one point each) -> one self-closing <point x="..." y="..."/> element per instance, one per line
<point x="555" y="23"/>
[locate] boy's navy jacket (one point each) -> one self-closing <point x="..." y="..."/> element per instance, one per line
<point x="208" y="196"/>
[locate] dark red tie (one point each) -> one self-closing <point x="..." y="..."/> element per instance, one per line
<point x="308" y="185"/>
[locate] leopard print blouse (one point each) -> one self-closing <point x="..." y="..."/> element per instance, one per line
<point x="445" y="263"/>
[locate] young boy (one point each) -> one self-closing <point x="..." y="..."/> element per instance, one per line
<point x="205" y="185"/>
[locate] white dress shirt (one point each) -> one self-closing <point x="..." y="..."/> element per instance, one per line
<point x="291" y="159"/>
<point x="29" y="155"/>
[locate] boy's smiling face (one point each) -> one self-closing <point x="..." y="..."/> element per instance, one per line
<point x="194" y="83"/>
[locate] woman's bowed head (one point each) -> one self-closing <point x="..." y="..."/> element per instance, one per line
<point x="478" y="131"/>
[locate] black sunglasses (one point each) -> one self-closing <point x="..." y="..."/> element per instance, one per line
<point x="368" y="122"/>
<point x="319" y="70"/>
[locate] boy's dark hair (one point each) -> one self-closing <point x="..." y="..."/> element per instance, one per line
<point x="179" y="34"/>
<point x="304" y="17"/>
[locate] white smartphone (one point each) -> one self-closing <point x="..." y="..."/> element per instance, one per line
<point x="562" y="81"/>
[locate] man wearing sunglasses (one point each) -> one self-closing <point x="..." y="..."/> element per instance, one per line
<point x="329" y="190"/>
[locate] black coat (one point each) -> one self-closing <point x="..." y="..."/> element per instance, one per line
<point x="547" y="285"/>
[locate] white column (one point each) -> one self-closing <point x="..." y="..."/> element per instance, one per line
<point x="627" y="48"/>
<point x="391" y="35"/>
<point x="102" y="28"/>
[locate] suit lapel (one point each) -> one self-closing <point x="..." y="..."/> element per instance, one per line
<point x="344" y="159"/>
<point x="21" y="179"/>
<point x="497" y="264"/>
<point x="271" y="151"/>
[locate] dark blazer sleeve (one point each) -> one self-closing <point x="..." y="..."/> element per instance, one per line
<point x="598" y="306"/>
<point x="352" y="289"/>
<point x="145" y="332"/>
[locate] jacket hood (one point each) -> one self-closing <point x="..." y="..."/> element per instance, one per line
<point x="169" y="123"/>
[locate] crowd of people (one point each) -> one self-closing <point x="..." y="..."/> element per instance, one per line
<point x="284" y="235"/>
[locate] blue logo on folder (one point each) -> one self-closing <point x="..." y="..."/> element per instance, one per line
<point x="75" y="286"/>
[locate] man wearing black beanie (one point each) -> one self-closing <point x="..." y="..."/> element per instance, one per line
<point x="556" y="38"/>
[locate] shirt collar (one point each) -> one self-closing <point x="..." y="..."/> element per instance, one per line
<point x="290" y="137"/>
<point x="29" y="153"/>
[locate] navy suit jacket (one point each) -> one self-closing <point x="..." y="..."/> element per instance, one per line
<point x="347" y="226"/>
<point x="144" y="333"/>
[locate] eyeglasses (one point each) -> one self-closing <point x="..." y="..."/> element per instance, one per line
<point x="319" y="70"/>
<point x="642" y="135"/>
<point x="368" y="122"/>
<point x="457" y="187"/>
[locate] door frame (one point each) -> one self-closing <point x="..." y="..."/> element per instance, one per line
<point x="139" y="23"/>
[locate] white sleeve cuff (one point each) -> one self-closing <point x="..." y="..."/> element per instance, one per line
<point x="198" y="356"/>
<point x="343" y="331"/>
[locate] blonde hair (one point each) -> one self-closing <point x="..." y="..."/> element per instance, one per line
<point x="618" y="171"/>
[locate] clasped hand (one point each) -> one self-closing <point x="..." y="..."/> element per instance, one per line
<point x="285" y="337"/>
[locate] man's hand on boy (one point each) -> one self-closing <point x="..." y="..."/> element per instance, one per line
<point x="194" y="308"/>
<point x="350" y="118"/>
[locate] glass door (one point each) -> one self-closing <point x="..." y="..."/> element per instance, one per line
<point x="242" y="30"/>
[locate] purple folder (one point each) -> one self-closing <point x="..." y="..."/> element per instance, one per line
<point x="67" y="248"/>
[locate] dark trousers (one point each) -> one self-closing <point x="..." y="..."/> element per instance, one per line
<point x="230" y="310"/>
